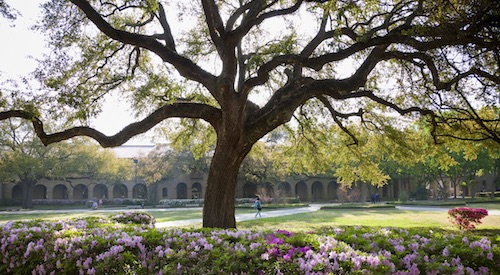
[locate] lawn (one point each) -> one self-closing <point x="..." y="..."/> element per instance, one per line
<point x="160" y="215"/>
<point x="485" y="205"/>
<point x="373" y="218"/>
<point x="297" y="222"/>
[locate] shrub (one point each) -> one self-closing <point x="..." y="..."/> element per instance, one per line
<point x="180" y="202"/>
<point x="465" y="217"/>
<point x="421" y="193"/>
<point x="61" y="202"/>
<point x="403" y="196"/>
<point x="124" y="201"/>
<point x="349" y="194"/>
<point x="135" y="217"/>
<point x="100" y="246"/>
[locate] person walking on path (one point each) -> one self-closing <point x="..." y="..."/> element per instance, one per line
<point x="258" y="205"/>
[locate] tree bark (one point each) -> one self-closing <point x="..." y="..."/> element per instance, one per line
<point x="218" y="209"/>
<point x="27" y="194"/>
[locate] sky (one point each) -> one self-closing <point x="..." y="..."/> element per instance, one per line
<point x="18" y="56"/>
<point x="23" y="46"/>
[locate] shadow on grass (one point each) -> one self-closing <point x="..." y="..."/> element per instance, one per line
<point x="373" y="218"/>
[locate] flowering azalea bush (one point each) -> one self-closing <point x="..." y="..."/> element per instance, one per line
<point x="103" y="246"/>
<point x="466" y="218"/>
<point x="135" y="217"/>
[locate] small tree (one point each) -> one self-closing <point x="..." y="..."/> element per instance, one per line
<point x="466" y="218"/>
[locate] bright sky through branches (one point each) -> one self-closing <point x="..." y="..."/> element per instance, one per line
<point x="19" y="53"/>
<point x="24" y="46"/>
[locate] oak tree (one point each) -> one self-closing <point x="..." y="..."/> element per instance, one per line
<point x="241" y="69"/>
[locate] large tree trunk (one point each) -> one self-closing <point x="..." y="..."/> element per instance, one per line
<point x="27" y="194"/>
<point x="218" y="210"/>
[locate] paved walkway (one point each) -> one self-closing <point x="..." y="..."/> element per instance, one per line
<point x="248" y="216"/>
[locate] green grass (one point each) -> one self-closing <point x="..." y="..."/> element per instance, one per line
<point x="160" y="216"/>
<point x="48" y="216"/>
<point x="274" y="206"/>
<point x="376" y="218"/>
<point x="361" y="206"/>
<point x="333" y="217"/>
<point x="167" y="216"/>
<point x="495" y="203"/>
<point x="490" y="206"/>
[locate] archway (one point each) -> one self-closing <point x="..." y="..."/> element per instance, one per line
<point x="284" y="189"/>
<point x="39" y="192"/>
<point x="100" y="191"/>
<point x="317" y="191"/>
<point x="80" y="192"/>
<point x="60" y="192"/>
<point x="265" y="190"/>
<point x="181" y="191"/>
<point x="332" y="190"/>
<point x="17" y="192"/>
<point x="140" y="191"/>
<point x="120" y="191"/>
<point x="196" y="191"/>
<point x="301" y="190"/>
<point x="249" y="190"/>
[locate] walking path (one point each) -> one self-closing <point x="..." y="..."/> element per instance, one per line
<point x="248" y="216"/>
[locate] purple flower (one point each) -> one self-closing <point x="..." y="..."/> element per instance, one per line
<point x="465" y="240"/>
<point x="484" y="270"/>
<point x="87" y="263"/>
<point x="372" y="261"/>
<point x="413" y="246"/>
<point x="399" y="248"/>
<point x="446" y="253"/>
<point x="303" y="249"/>
<point x="284" y="232"/>
<point x="254" y="245"/>
<point x="286" y="257"/>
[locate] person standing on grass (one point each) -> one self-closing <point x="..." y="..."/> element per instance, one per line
<point x="258" y="205"/>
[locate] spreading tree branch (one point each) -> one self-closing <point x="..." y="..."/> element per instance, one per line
<point x="336" y="115"/>
<point x="185" y="67"/>
<point x="185" y="110"/>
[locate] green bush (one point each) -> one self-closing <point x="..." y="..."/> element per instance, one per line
<point x="135" y="217"/>
<point x="180" y="202"/>
<point x="403" y="196"/>
<point x="421" y="193"/>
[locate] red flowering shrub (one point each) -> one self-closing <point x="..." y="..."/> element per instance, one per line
<point x="466" y="217"/>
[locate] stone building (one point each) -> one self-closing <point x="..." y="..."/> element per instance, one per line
<point x="320" y="189"/>
<point x="313" y="189"/>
